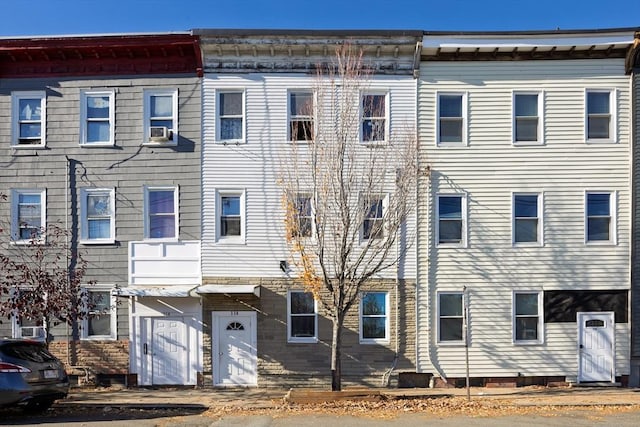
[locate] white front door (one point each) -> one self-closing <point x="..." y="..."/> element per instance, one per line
<point x="166" y="351"/>
<point x="596" y="346"/>
<point x="235" y="355"/>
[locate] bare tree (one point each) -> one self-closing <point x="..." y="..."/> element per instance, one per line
<point x="349" y="185"/>
<point x="42" y="279"/>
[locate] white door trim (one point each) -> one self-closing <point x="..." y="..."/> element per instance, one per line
<point x="147" y="342"/>
<point x="246" y="317"/>
<point x="608" y="332"/>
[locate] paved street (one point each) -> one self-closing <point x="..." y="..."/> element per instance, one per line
<point x="549" y="417"/>
<point x="254" y="407"/>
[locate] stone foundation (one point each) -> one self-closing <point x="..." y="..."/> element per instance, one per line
<point x="88" y="360"/>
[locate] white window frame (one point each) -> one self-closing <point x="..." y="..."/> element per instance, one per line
<point x="307" y="340"/>
<point x="540" y="338"/>
<point x="84" y="209"/>
<point x="613" y="208"/>
<point x="15" y="118"/>
<point x="112" y="313"/>
<point x="464" y="99"/>
<point x="451" y="342"/>
<point x="386" y="117"/>
<point x="613" y="96"/>
<point x="310" y="217"/>
<point x="15" y="227"/>
<point x="540" y="218"/>
<point x="464" y="214"/>
<point x="291" y="117"/>
<point x="16" y="327"/>
<point x="176" y="203"/>
<point x="84" y="95"/>
<point x="540" y="117"/>
<point x="243" y="116"/>
<point x="387" y="322"/>
<point x="243" y="217"/>
<point x="148" y="93"/>
<point x="385" y="207"/>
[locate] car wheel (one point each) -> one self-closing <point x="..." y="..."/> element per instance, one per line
<point x="38" y="406"/>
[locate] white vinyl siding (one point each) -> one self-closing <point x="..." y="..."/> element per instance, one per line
<point x="490" y="169"/>
<point x="255" y="167"/>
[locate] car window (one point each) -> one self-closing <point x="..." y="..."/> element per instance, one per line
<point x="28" y="351"/>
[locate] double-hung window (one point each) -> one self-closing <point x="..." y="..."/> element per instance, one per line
<point x="27" y="321"/>
<point x="374" y="317"/>
<point x="100" y="320"/>
<point x="231" y="125"/>
<point x="301" y="113"/>
<point x="97" y="126"/>
<point x="303" y="219"/>
<point x="527" y="118"/>
<point x="451" y="219"/>
<point x="302" y="325"/>
<point x="161" y="212"/>
<point x="450" y="317"/>
<point x="98" y="215"/>
<point x="161" y="116"/>
<point x="373" y="222"/>
<point x="527" y="219"/>
<point x="527" y="318"/>
<point x="28" y="119"/>
<point x="600" y="115"/>
<point x="28" y="215"/>
<point x="374" y="118"/>
<point x="600" y="218"/>
<point x="452" y="111"/>
<point x="230" y="221"/>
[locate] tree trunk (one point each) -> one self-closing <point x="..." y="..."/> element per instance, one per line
<point x="336" y="352"/>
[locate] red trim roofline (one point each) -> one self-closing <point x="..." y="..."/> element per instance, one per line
<point x="100" y="56"/>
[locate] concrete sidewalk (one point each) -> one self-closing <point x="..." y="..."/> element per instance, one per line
<point x="149" y="398"/>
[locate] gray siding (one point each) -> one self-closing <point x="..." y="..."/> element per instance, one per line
<point x="635" y="271"/>
<point x="127" y="166"/>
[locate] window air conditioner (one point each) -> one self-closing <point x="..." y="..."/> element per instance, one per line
<point x="160" y="134"/>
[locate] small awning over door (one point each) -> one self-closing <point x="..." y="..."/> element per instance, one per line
<point x="157" y="291"/>
<point x="229" y="289"/>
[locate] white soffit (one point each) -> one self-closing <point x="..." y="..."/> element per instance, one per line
<point x="229" y="289"/>
<point x="469" y="43"/>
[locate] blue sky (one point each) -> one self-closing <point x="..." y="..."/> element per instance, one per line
<point x="57" y="17"/>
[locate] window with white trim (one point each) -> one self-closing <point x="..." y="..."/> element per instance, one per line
<point x="373" y="223"/>
<point x="231" y="121"/>
<point x="97" y="206"/>
<point x="23" y="323"/>
<point x="161" y="116"/>
<point x="230" y="217"/>
<point x="527" y="317"/>
<point x="528" y="118"/>
<point x="301" y="116"/>
<point x="100" y="321"/>
<point x="374" y="317"/>
<point x="452" y="117"/>
<point x="451" y="219"/>
<point x="28" y="215"/>
<point x="303" y="219"/>
<point x="600" y="114"/>
<point x="29" y="115"/>
<point x="302" y="313"/>
<point x="450" y="317"/>
<point x="97" y="126"/>
<point x="161" y="212"/>
<point x="600" y="217"/>
<point x="375" y="120"/>
<point x="527" y="219"/>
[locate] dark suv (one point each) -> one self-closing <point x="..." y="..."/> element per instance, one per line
<point x="30" y="376"/>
